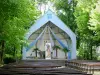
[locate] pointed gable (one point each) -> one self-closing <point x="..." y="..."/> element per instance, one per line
<point x="49" y="16"/>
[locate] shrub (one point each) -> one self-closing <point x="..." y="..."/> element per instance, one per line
<point x="8" y="60"/>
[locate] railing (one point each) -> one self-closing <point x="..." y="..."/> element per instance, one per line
<point x="88" y="66"/>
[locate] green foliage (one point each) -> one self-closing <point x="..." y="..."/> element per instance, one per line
<point x="65" y="50"/>
<point x="8" y="60"/>
<point x="16" y="16"/>
<point x="42" y="1"/>
<point x="36" y="49"/>
<point x="86" y="36"/>
<point x="98" y="58"/>
<point x="65" y="12"/>
<point x="55" y="47"/>
<point x="95" y="21"/>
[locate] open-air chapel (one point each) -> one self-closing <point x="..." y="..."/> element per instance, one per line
<point x="49" y="37"/>
<point x="45" y="35"/>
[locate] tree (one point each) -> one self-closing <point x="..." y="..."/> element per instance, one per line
<point x="65" y="51"/>
<point x="16" y="16"/>
<point x="55" y="47"/>
<point x="36" y="51"/>
<point x="94" y="21"/>
<point x="82" y="13"/>
<point x="65" y="10"/>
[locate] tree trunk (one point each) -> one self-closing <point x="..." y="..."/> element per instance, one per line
<point x="65" y="55"/>
<point x="87" y="55"/>
<point x="16" y="55"/>
<point x="56" y="53"/>
<point x="91" y="57"/>
<point x="14" y="52"/>
<point x="36" y="53"/>
<point x="2" y="50"/>
<point x="21" y="49"/>
<point x="84" y="55"/>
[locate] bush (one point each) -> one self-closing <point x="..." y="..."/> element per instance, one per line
<point x="8" y="60"/>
